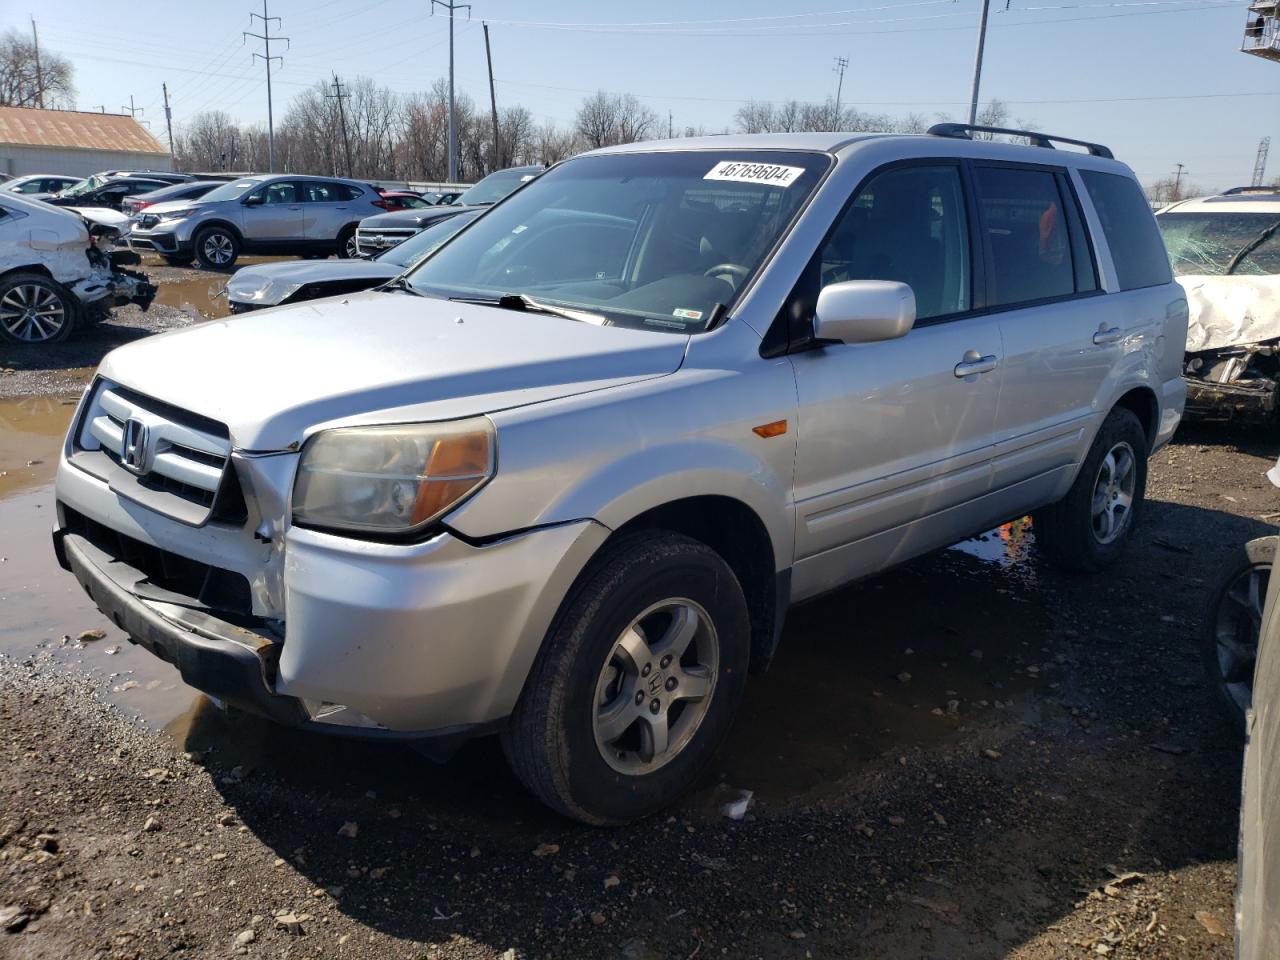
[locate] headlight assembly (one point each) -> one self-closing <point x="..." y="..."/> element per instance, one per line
<point x="391" y="479"/>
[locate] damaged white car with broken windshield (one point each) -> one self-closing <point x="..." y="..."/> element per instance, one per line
<point x="1226" y="254"/>
<point x="59" y="269"/>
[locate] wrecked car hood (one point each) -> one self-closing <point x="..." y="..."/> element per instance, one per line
<point x="416" y="217"/>
<point x="274" y="376"/>
<point x="269" y="283"/>
<point x="102" y="216"/>
<point x="1231" y="311"/>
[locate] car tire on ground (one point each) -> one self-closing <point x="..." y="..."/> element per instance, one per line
<point x="1233" y="624"/>
<point x="35" y="309"/>
<point x="637" y="682"/>
<point x="347" y="249"/>
<point x="217" y="247"/>
<point x="177" y="261"/>
<point x="1091" y="526"/>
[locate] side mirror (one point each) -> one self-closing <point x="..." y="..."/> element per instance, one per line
<point x="254" y="200"/>
<point x="864" y="311"/>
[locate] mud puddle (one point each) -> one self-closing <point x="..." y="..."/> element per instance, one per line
<point x="198" y="293"/>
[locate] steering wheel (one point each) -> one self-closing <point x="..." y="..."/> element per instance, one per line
<point x="735" y="270"/>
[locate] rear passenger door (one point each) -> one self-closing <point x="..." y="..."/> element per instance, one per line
<point x="1062" y="338"/>
<point x="329" y="207"/>
<point x="895" y="437"/>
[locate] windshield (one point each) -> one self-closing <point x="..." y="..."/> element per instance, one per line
<point x="1207" y="243"/>
<point x="496" y="186"/>
<point x="230" y="191"/>
<point x="84" y="186"/>
<point x="661" y="241"/>
<point x="423" y="242"/>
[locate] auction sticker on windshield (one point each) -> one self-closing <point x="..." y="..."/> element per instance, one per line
<point x="767" y="173"/>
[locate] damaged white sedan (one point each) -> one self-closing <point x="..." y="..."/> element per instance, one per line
<point x="1226" y="254"/>
<point x="59" y="269"/>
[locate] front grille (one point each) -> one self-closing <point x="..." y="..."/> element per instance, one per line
<point x="374" y="240"/>
<point x="213" y="588"/>
<point x="171" y="460"/>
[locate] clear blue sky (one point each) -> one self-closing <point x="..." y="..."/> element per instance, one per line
<point x="1161" y="81"/>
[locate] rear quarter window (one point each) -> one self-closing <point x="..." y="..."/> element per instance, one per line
<point x="1130" y="230"/>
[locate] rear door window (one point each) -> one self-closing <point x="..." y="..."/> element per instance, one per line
<point x="1027" y="235"/>
<point x="1130" y="228"/>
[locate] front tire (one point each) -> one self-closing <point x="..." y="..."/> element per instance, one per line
<point x="217" y="248"/>
<point x="637" y="683"/>
<point x="35" y="310"/>
<point x="1090" y="527"/>
<point x="1233" y="625"/>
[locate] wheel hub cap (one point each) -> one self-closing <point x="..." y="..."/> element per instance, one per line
<point x="655" y="687"/>
<point x="1113" y="492"/>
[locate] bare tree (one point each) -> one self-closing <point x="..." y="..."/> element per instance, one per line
<point x="210" y="141"/>
<point x="755" y="116"/>
<point x="608" y="118"/>
<point x="515" y="134"/>
<point x="21" y="85"/>
<point x="554" y="144"/>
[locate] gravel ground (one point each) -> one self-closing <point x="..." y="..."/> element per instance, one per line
<point x="960" y="758"/>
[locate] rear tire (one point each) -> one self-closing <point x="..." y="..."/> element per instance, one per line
<point x="35" y="310"/>
<point x="1090" y="527"/>
<point x="178" y="261"/>
<point x="1233" y="625"/>
<point x="347" y="248"/>
<point x="217" y="248"/>
<point x="637" y="683"/>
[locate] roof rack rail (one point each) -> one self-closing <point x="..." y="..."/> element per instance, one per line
<point x="963" y="131"/>
<point x="1245" y="191"/>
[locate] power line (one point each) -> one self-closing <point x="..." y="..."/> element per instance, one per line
<point x="266" y="38"/>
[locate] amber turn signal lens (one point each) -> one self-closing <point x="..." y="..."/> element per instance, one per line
<point x="775" y="429"/>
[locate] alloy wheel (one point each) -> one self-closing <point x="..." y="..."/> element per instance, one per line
<point x="32" y="313"/>
<point x="656" y="686"/>
<point x="351" y="247"/>
<point x="1113" y="490"/>
<point x="218" y="249"/>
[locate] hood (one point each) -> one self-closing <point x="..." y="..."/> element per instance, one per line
<point x="269" y="283"/>
<point x="412" y="218"/>
<point x="273" y="376"/>
<point x="102" y="216"/>
<point x="1231" y="311"/>
<point x="168" y="206"/>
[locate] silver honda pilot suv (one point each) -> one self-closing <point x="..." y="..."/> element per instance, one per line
<point x="561" y="480"/>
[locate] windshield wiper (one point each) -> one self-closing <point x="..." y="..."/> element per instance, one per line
<point x="402" y="283"/>
<point x="525" y="303"/>
<point x="1249" y="247"/>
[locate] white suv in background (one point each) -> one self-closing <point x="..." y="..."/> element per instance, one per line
<point x="561" y="480"/>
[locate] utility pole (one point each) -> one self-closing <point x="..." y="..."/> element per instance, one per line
<point x="1177" y="183"/>
<point x="1260" y="162"/>
<point x="498" y="159"/>
<point x="451" y="6"/>
<point x="35" y="39"/>
<point x="842" y="64"/>
<point x="168" y="116"/>
<point x="977" y="63"/>
<point x="266" y="38"/>
<point x="342" y="118"/>
<point x="133" y="111"/>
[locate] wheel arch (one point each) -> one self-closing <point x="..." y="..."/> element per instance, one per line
<point x="219" y="223"/>
<point x="738" y="534"/>
<point x="1142" y="402"/>
<point x="39" y="268"/>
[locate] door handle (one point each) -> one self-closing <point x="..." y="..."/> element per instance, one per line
<point x="1108" y="335"/>
<point x="975" y="363"/>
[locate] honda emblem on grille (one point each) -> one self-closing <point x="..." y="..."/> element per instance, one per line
<point x="133" y="445"/>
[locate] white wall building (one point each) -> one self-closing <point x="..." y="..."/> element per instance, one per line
<point x="75" y="143"/>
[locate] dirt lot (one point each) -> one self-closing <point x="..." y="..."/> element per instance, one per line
<point x="971" y="756"/>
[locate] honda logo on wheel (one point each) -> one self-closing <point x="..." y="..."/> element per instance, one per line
<point x="133" y="445"/>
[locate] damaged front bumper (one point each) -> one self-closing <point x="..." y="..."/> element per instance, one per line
<point x="115" y="287"/>
<point x="1238" y="383"/>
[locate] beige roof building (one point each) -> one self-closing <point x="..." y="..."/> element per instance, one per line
<point x="75" y="143"/>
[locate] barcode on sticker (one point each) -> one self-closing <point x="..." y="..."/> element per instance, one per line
<point x="772" y="174"/>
